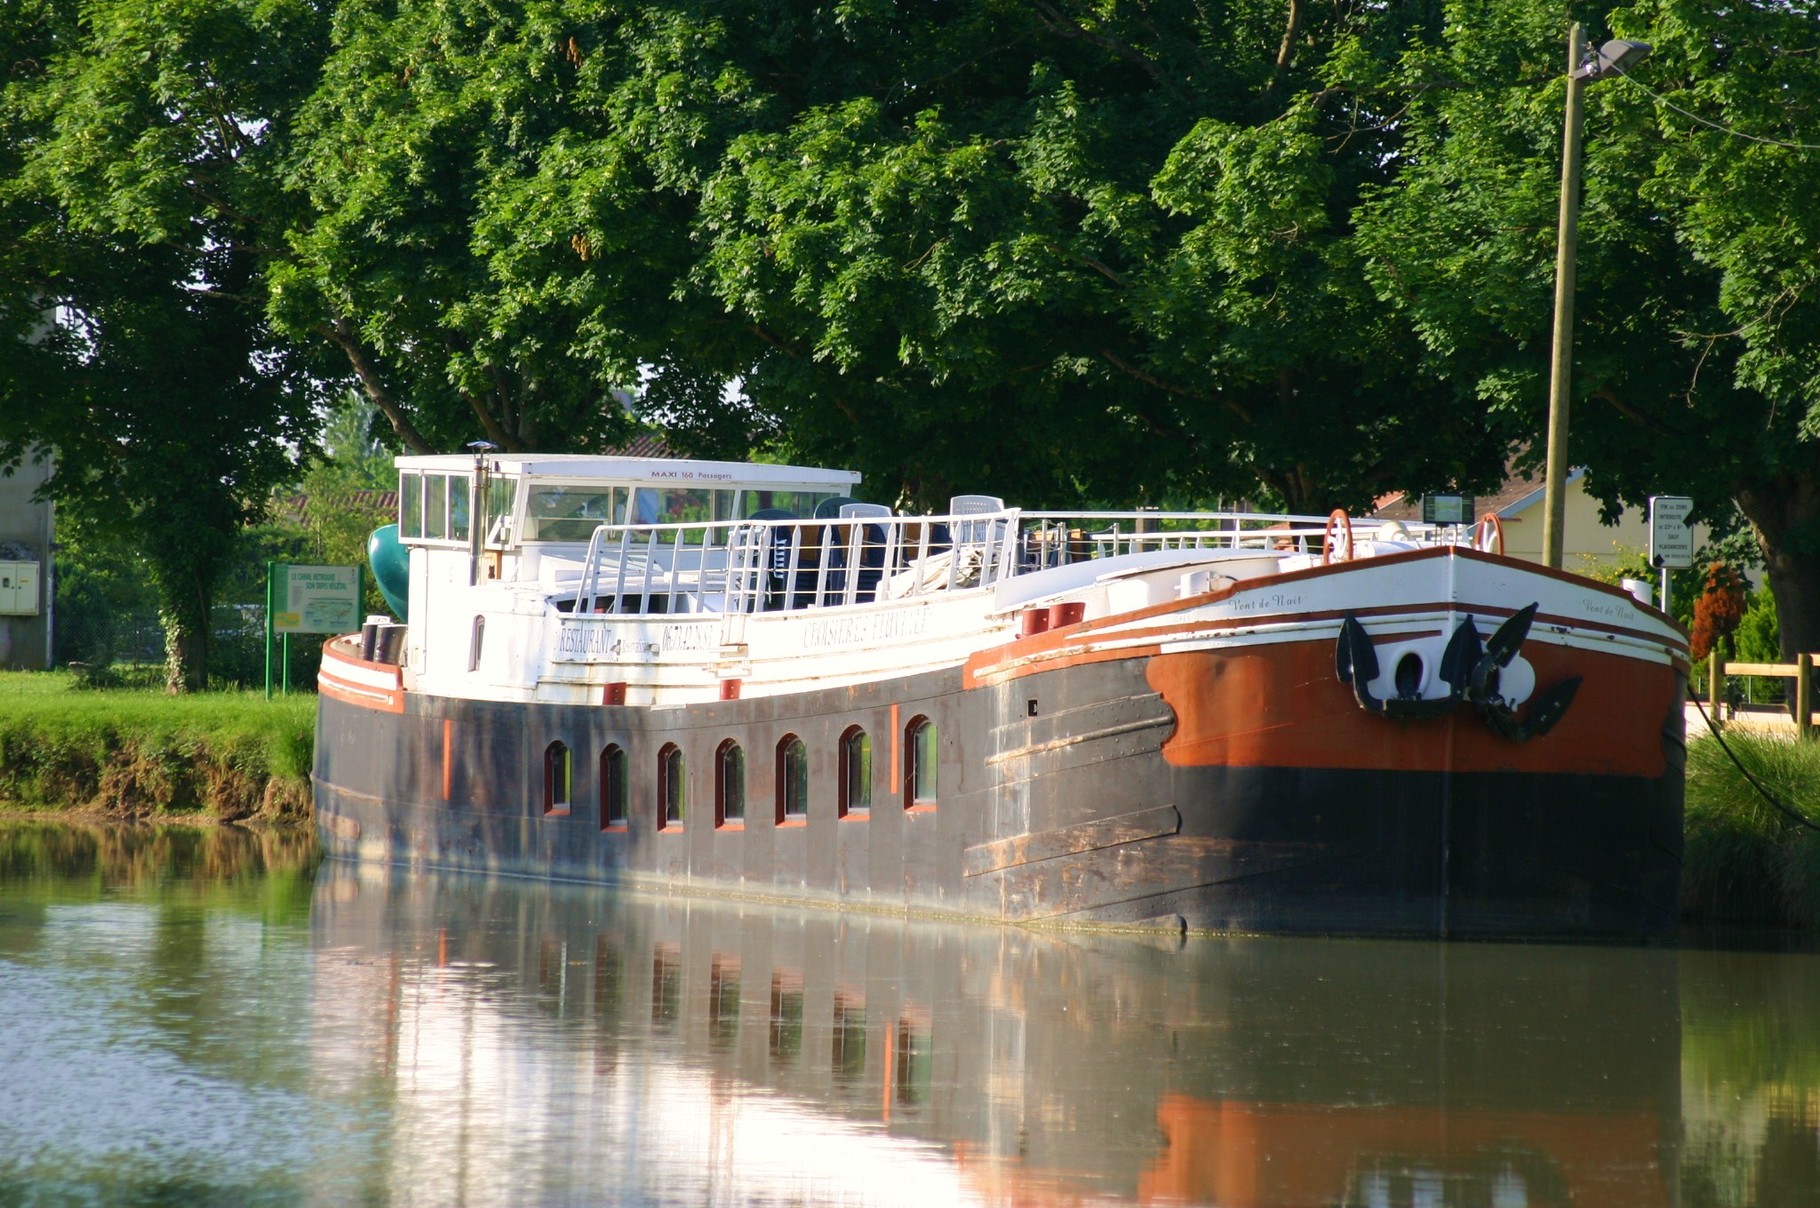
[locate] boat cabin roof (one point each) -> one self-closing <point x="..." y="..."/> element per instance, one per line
<point x="636" y="470"/>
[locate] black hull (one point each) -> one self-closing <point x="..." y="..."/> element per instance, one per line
<point x="1057" y="805"/>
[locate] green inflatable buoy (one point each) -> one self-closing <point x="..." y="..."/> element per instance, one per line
<point x="391" y="563"/>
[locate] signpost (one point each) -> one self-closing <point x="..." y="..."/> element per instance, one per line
<point x="308" y="599"/>
<point x="1671" y="541"/>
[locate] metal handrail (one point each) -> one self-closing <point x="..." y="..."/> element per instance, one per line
<point x="771" y="565"/>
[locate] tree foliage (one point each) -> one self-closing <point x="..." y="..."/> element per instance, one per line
<point x="143" y="139"/>
<point x="1697" y="313"/>
<point x="1062" y="250"/>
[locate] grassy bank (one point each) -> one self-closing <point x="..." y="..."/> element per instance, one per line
<point x="137" y="753"/>
<point x="1747" y="861"/>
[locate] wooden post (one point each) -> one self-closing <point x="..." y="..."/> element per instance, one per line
<point x="1804" y="699"/>
<point x="1715" y="685"/>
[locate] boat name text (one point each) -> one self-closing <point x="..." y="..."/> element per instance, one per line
<point x="1275" y="601"/>
<point x="584" y="641"/>
<point x="867" y="627"/>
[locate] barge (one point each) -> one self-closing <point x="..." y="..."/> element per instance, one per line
<point x="735" y="679"/>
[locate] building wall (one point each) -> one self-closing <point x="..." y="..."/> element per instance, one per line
<point x="25" y="533"/>
<point x="1587" y="546"/>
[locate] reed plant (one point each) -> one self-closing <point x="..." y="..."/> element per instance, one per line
<point x="137" y="752"/>
<point x="1749" y="859"/>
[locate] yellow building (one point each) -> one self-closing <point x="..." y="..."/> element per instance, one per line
<point x="1588" y="545"/>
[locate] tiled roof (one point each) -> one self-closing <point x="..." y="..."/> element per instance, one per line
<point x="1514" y="495"/>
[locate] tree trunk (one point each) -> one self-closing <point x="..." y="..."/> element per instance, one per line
<point x="186" y="613"/>
<point x="1785" y="514"/>
<point x="186" y="656"/>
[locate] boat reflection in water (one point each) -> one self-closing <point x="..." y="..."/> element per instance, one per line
<point x="540" y="1043"/>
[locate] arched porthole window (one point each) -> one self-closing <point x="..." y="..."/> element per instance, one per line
<point x="730" y="784"/>
<point x="792" y="780"/>
<point x="613" y="787"/>
<point x="558" y="779"/>
<point x="855" y="772"/>
<point x="672" y="786"/>
<point x="919" y="775"/>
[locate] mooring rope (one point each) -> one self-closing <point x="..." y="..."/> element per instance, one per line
<point x="1754" y="782"/>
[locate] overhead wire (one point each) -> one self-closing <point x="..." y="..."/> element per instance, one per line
<point x="1781" y="807"/>
<point x="1709" y="123"/>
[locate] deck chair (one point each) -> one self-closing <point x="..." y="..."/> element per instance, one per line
<point x="981" y="533"/>
<point x="829" y="509"/>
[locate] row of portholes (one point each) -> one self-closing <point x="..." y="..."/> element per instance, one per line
<point x="790" y="797"/>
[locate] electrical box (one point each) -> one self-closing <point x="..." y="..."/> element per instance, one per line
<point x="18" y="589"/>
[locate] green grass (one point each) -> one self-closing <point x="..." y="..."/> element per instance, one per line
<point x="1746" y="861"/>
<point x="138" y="752"/>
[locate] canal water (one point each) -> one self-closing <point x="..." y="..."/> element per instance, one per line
<point x="215" y="1017"/>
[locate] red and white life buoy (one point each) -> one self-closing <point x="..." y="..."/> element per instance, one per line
<point x="1336" y="541"/>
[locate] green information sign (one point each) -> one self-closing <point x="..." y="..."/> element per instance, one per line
<point x="308" y="599"/>
<point x="316" y="599"/>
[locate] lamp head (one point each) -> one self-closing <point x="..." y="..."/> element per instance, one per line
<point x="1615" y="58"/>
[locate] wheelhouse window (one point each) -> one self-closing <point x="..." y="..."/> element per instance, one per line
<point x="613" y="788"/>
<point x="671" y="788"/>
<point x="855" y="772"/>
<point x="730" y="785"/>
<point x="433" y="506"/>
<point x="436" y="507"/>
<point x="558" y="779"/>
<point x="458" y="508"/>
<point x="919" y="775"/>
<point x="562" y="512"/>
<point x="410" y="504"/>
<point x="792" y="780"/>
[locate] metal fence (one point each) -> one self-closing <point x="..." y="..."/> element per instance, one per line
<point x="95" y="639"/>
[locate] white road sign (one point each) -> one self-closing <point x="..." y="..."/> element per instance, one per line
<point x="1671" y="541"/>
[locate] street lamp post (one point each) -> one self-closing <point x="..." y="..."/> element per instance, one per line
<point x="1613" y="58"/>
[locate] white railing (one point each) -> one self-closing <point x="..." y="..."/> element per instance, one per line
<point x="774" y="565"/>
<point x="764" y="565"/>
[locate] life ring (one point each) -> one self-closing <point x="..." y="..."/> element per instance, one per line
<point x="1488" y="534"/>
<point x="1336" y="540"/>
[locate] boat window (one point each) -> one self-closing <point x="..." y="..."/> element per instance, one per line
<point x="410" y="504"/>
<point x="571" y="513"/>
<point x="502" y="494"/>
<point x="558" y="778"/>
<point x="797" y="503"/>
<point x="680" y="505"/>
<point x="730" y="784"/>
<point x="792" y="779"/>
<point x="435" y="506"/>
<point x="672" y="788"/>
<point x="919" y="778"/>
<point x="458" y="508"/>
<point x="855" y="772"/>
<point x="612" y="787"/>
<point x="475" y="641"/>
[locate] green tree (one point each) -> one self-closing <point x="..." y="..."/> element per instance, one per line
<point x="1062" y="249"/>
<point x="141" y="201"/>
<point x="1698" y="320"/>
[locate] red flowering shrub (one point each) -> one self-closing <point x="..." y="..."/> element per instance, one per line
<point x="1718" y="610"/>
